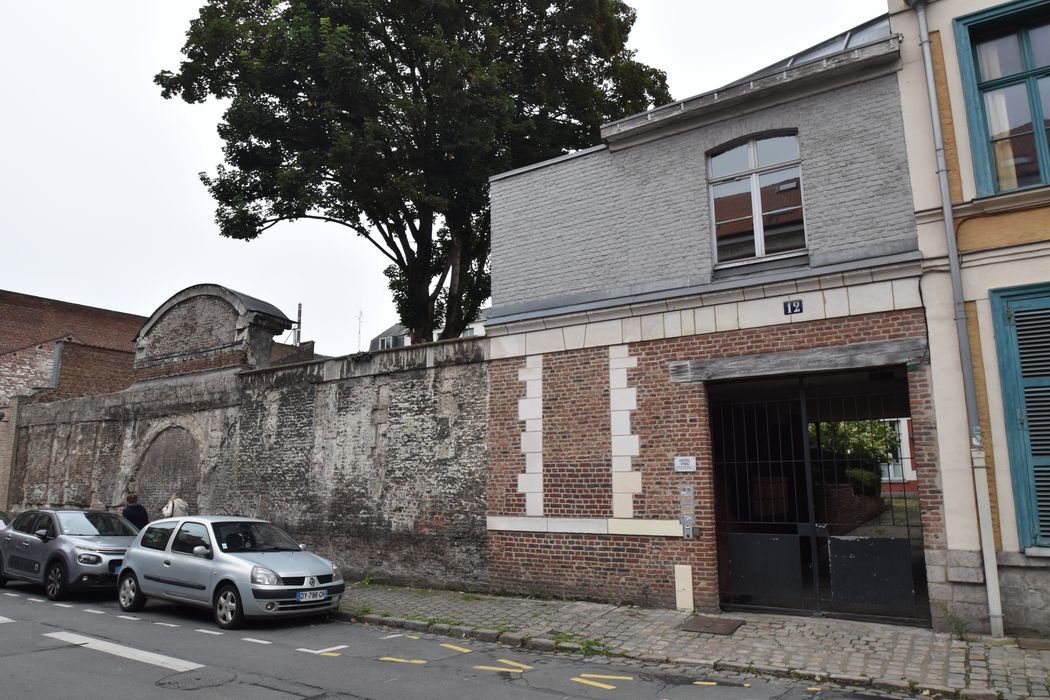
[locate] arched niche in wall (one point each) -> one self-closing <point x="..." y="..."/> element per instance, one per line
<point x="171" y="463"/>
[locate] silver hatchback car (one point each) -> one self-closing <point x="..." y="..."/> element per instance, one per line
<point x="239" y="567"/>
<point x="64" y="549"/>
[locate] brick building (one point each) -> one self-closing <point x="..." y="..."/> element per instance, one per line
<point x="52" y="349"/>
<point x="699" y="383"/>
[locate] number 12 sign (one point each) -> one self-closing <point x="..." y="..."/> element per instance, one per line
<point x="792" y="307"/>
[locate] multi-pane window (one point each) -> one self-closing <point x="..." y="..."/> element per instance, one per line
<point x="1012" y="67"/>
<point x="756" y="197"/>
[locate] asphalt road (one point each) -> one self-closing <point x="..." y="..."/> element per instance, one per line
<point x="87" y="648"/>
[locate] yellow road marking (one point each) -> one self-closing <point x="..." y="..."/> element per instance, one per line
<point x="815" y="690"/>
<point x="412" y="636"/>
<point x="330" y="653"/>
<point x="453" y="647"/>
<point x="596" y="684"/>
<point x="515" y="664"/>
<point x="607" y="678"/>
<point x="402" y="661"/>
<point x="498" y="668"/>
<point x="704" y="683"/>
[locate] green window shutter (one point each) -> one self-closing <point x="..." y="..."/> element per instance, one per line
<point x="1032" y="328"/>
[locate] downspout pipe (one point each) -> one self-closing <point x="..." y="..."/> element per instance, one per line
<point x="977" y="455"/>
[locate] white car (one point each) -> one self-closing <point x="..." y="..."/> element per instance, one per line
<point x="239" y="567"/>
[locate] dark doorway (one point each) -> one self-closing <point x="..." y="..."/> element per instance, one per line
<point x="816" y="502"/>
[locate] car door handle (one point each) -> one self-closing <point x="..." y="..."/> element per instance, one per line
<point x="167" y="563"/>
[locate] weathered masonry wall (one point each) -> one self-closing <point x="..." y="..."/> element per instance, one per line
<point x="378" y="463"/>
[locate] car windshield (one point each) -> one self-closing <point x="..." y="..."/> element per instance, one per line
<point x="90" y="524"/>
<point x="252" y="537"/>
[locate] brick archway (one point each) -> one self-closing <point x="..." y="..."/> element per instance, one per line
<point x="170" y="462"/>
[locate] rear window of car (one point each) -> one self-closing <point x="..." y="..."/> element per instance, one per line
<point x="157" y="536"/>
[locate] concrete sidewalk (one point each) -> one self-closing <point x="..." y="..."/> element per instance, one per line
<point x="894" y="658"/>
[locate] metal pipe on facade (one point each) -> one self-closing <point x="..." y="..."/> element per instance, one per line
<point x="977" y="460"/>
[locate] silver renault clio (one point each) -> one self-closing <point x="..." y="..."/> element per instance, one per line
<point x="239" y="567"/>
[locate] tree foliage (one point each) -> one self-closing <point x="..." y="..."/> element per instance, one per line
<point x="868" y="442"/>
<point x="389" y="116"/>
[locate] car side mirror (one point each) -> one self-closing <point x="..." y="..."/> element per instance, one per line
<point x="202" y="551"/>
<point x="302" y="547"/>
<point x="42" y="534"/>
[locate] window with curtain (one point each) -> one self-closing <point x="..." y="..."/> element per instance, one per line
<point x="756" y="197"/>
<point x="1012" y="71"/>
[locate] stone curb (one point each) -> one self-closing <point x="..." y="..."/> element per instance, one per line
<point x="513" y="639"/>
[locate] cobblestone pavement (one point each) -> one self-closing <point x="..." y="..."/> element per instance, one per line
<point x="889" y="657"/>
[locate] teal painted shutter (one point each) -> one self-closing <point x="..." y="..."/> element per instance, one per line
<point x="1027" y="404"/>
<point x="1031" y="321"/>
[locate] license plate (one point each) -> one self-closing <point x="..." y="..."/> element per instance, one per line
<point x="311" y="595"/>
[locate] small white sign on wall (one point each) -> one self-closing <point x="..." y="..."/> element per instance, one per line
<point x="685" y="464"/>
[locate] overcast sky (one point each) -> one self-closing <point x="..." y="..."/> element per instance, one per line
<point x="101" y="203"/>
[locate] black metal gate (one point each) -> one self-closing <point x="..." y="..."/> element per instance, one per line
<point x="816" y="499"/>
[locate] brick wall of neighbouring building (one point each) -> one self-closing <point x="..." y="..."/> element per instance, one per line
<point x="26" y="319"/>
<point x="84" y="370"/>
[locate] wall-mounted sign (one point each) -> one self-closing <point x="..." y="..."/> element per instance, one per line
<point x="792" y="307"/>
<point x="685" y="464"/>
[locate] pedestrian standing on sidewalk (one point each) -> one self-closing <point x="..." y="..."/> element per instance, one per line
<point x="175" y="507"/>
<point x="134" y="512"/>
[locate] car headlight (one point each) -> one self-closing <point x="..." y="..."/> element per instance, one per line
<point x="336" y="574"/>
<point x="87" y="555"/>
<point x="265" y="577"/>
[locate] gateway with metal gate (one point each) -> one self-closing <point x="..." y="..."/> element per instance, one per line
<point x="816" y="500"/>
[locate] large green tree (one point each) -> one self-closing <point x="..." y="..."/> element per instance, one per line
<point x="389" y="116"/>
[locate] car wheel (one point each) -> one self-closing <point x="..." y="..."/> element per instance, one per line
<point x="55" y="584"/>
<point x="129" y="595"/>
<point x="229" y="614"/>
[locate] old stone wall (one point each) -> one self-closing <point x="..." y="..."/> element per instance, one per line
<point x="378" y="463"/>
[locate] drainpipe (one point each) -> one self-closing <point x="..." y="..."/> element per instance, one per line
<point x="56" y="365"/>
<point x="977" y="461"/>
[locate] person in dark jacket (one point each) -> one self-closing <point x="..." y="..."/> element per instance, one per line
<point x="135" y="513"/>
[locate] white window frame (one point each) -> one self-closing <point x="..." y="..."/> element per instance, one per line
<point x="753" y="173"/>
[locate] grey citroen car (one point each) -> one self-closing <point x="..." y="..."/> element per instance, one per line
<point x="64" y="549"/>
<point x="238" y="567"/>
